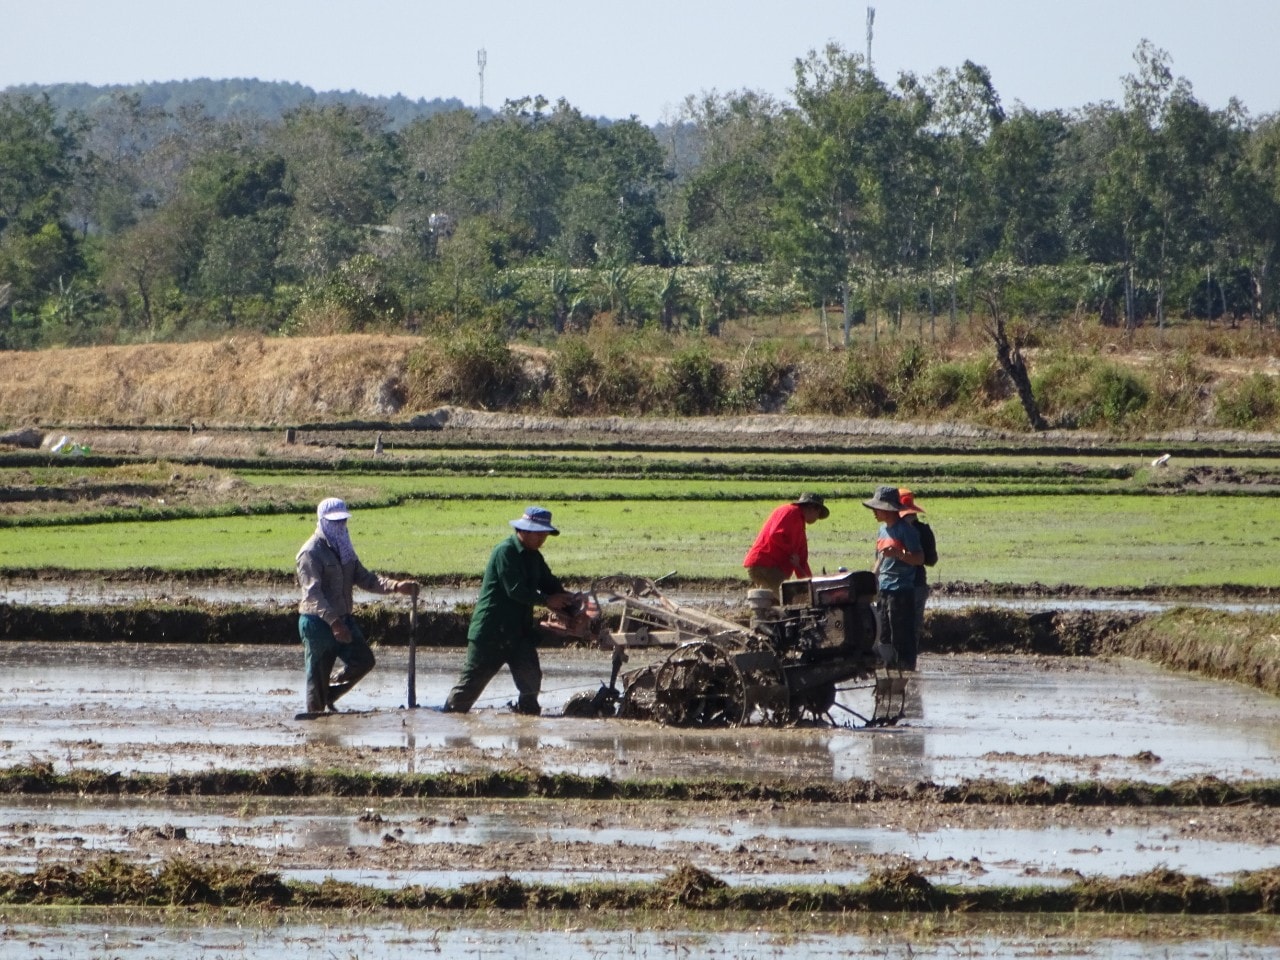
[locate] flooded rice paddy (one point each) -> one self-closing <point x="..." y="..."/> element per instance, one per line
<point x="164" y="708"/>
<point x="157" y="708"/>
<point x="403" y="942"/>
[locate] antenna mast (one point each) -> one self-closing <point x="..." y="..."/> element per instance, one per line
<point x="871" y="19"/>
<point x="482" y="58"/>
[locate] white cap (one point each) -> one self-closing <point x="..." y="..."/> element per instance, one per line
<point x="333" y="509"/>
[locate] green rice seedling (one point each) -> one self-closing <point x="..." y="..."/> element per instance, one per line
<point x="1083" y="539"/>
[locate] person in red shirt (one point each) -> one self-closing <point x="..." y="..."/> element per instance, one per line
<point x="781" y="550"/>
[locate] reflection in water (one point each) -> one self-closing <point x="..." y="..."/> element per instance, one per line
<point x="158" y="708"/>
<point x="900" y="755"/>
<point x="318" y="735"/>
<point x="405" y="941"/>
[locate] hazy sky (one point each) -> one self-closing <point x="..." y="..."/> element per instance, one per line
<point x="642" y="57"/>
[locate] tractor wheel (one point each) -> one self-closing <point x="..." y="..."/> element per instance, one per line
<point x="637" y="694"/>
<point x="699" y="685"/>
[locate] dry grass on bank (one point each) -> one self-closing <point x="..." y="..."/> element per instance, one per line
<point x="763" y="364"/>
<point x="244" y="379"/>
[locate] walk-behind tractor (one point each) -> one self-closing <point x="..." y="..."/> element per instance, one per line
<point x="786" y="667"/>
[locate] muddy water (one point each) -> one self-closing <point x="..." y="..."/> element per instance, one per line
<point x="168" y="708"/>
<point x="162" y="708"/>
<point x="555" y="942"/>
<point x="97" y="592"/>
<point x="549" y="842"/>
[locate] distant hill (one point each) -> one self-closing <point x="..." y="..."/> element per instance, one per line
<point x="271" y="100"/>
<point x="224" y="98"/>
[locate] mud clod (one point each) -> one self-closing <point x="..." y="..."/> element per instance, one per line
<point x="689" y="886"/>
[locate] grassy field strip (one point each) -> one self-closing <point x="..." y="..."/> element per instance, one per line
<point x="782" y="463"/>
<point x="1091" y="459"/>
<point x="694" y="465"/>
<point x="803" y="460"/>
<point x="1082" y="539"/>
<point x="728" y="485"/>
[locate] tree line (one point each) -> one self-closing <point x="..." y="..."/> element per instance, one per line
<point x="925" y="197"/>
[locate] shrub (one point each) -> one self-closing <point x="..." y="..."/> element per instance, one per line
<point x="1252" y="402"/>
<point x="473" y="370"/>
<point x="1061" y="384"/>
<point x="350" y="298"/>
<point x="1118" y="395"/>
<point x="693" y="382"/>
<point x="912" y="361"/>
<point x="626" y="382"/>
<point x="760" y="383"/>
<point x="974" y="384"/>
<point x="841" y="383"/>
<point x="575" y="375"/>
<point x="1179" y="388"/>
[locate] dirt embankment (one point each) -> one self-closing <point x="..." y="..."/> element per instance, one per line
<point x="252" y="381"/>
<point x="248" y="380"/>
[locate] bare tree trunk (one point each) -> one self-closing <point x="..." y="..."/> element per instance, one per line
<point x="1259" y="294"/>
<point x="848" y="314"/>
<point x="1009" y="356"/>
<point x="1130" y="308"/>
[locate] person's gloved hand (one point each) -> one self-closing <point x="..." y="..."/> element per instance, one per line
<point x="565" y="602"/>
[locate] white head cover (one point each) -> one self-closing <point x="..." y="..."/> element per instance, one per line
<point x="333" y="514"/>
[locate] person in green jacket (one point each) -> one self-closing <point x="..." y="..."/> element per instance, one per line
<point x="502" y="631"/>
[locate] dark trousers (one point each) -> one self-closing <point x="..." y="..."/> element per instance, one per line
<point x="484" y="659"/>
<point x="922" y="598"/>
<point x="321" y="650"/>
<point x="897" y="610"/>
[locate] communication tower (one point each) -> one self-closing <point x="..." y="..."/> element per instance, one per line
<point x="482" y="58"/>
<point x="871" y="19"/>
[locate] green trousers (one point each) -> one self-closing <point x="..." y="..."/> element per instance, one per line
<point x="321" y="650"/>
<point x="484" y="659"/>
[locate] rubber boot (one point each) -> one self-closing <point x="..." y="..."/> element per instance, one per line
<point x="317" y="697"/>
<point x="528" y="705"/>
<point x="337" y="690"/>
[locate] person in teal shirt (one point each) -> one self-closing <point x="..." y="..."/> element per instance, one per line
<point x="898" y="553"/>
<point x="502" y="631"/>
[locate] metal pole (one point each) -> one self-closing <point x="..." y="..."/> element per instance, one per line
<point x="412" y="700"/>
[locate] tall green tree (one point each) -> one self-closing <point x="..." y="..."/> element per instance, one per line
<point x="610" y="210"/>
<point x="39" y="253"/>
<point x="340" y="172"/>
<point x="37" y="163"/>
<point x="852" y="175"/>
<point x="561" y="184"/>
<point x="139" y="263"/>
<point x="512" y="175"/>
<point x="119" y="179"/>
<point x="965" y="115"/>
<point x="1253" y="211"/>
<point x="727" y="205"/>
<point x="1022" y="175"/>
<point x="1146" y="189"/>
